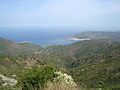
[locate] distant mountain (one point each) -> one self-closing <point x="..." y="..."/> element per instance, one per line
<point x="9" y="47"/>
<point x="95" y="35"/>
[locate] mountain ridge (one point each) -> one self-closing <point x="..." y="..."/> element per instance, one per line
<point x="92" y="63"/>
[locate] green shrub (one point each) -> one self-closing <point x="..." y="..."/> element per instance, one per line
<point x="37" y="77"/>
<point x="1" y="82"/>
<point x="8" y="87"/>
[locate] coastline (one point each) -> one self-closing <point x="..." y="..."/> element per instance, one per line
<point x="77" y="39"/>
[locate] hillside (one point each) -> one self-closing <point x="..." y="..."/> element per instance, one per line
<point x="9" y="47"/>
<point x="92" y="63"/>
<point x="97" y="65"/>
<point x="95" y="35"/>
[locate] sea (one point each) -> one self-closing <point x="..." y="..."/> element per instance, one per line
<point x="37" y="35"/>
<point x="44" y="35"/>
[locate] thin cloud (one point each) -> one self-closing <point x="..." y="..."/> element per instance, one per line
<point x="59" y="12"/>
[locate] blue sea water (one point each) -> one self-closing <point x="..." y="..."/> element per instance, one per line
<point x="41" y="36"/>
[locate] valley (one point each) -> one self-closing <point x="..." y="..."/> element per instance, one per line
<point x="93" y="63"/>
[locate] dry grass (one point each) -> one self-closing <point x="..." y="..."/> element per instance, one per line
<point x="59" y="86"/>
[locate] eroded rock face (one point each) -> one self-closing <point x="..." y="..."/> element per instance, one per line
<point x="8" y="81"/>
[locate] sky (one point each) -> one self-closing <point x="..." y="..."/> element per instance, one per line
<point x="60" y="13"/>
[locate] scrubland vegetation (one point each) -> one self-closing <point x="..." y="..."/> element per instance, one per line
<point x="85" y="65"/>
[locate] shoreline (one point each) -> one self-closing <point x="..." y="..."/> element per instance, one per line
<point x="77" y="39"/>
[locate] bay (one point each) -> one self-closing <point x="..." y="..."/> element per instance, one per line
<point x="37" y="35"/>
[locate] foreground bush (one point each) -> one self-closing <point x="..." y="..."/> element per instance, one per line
<point x="46" y="78"/>
<point x="36" y="78"/>
<point x="61" y="82"/>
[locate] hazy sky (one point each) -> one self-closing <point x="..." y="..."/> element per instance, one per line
<point x="60" y="13"/>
